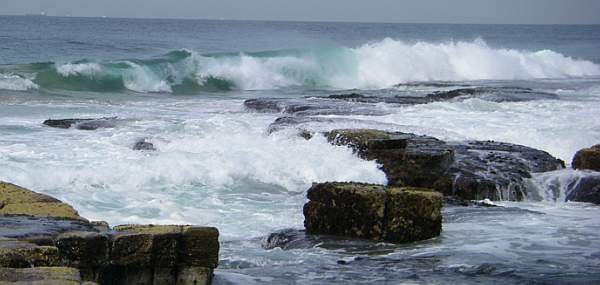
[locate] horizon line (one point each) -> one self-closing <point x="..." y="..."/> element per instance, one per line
<point x="291" y="21"/>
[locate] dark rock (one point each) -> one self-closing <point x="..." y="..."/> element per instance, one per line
<point x="585" y="189"/>
<point x="82" y="124"/>
<point x="587" y="158"/>
<point x="471" y="170"/>
<point x="358" y="104"/>
<point x="373" y="212"/>
<point x="283" y="239"/>
<point x="144" y="145"/>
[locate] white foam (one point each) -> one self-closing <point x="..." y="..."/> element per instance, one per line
<point x="71" y="69"/>
<point x="16" y="83"/>
<point x="212" y="168"/>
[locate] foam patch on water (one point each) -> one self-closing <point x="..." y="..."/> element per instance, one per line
<point x="70" y="69"/>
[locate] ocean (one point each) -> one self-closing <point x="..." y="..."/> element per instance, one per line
<point x="181" y="85"/>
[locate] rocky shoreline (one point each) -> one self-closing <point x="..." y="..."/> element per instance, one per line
<point x="45" y="241"/>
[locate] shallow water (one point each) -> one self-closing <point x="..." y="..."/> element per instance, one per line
<point x="217" y="164"/>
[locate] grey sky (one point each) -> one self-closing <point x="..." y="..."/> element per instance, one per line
<point x="434" y="11"/>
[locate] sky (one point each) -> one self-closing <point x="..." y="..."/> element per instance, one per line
<point x="403" y="11"/>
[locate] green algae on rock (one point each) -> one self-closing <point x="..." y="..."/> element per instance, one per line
<point x="369" y="211"/>
<point x="15" y="200"/>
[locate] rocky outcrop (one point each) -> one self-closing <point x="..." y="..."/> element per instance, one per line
<point x="373" y="212"/>
<point x="58" y="238"/>
<point x="471" y="170"/>
<point x="18" y="200"/>
<point x="82" y="124"/>
<point x="587" y="158"/>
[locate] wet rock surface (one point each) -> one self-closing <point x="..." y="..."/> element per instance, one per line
<point x="587" y="158"/>
<point x="83" y="124"/>
<point x="585" y="189"/>
<point x="471" y="170"/>
<point x="358" y="104"/>
<point x="91" y="251"/>
<point x="373" y="212"/>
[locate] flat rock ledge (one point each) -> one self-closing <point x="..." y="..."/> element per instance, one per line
<point x="375" y="212"/>
<point x="469" y="170"/>
<point x="45" y="241"/>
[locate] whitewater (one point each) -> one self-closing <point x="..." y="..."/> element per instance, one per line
<point x="183" y="88"/>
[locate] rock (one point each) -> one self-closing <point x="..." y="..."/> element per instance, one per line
<point x="373" y="212"/>
<point x="144" y="145"/>
<point x="412" y="214"/>
<point x="587" y="158"/>
<point x="470" y="170"/>
<point x="15" y="200"/>
<point x="128" y="254"/>
<point x="19" y="254"/>
<point x="82" y="124"/>
<point x="585" y="189"/>
<point x="358" y="104"/>
<point x="40" y="275"/>
<point x="406" y="159"/>
<point x="346" y="209"/>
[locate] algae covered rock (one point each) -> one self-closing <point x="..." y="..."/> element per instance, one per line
<point x="587" y="158"/>
<point x="470" y="170"/>
<point x="373" y="212"/>
<point x="346" y="209"/>
<point x="40" y="275"/>
<point x="19" y="254"/>
<point x="15" y="200"/>
<point x="412" y="214"/>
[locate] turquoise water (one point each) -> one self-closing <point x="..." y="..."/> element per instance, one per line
<point x="180" y="84"/>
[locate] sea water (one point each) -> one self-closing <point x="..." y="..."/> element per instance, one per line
<point x="180" y="84"/>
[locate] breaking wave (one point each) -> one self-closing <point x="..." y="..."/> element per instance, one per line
<point x="374" y="65"/>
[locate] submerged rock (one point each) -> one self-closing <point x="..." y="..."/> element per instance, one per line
<point x="130" y="254"/>
<point x="373" y="212"/>
<point x="358" y="104"/>
<point x="585" y="189"/>
<point x="82" y="124"/>
<point x="471" y="170"/>
<point x="587" y="158"/>
<point x="144" y="145"/>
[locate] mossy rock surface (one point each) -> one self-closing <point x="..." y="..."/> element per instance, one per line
<point x="40" y="275"/>
<point x="15" y="200"/>
<point x="587" y="158"/>
<point x="19" y="254"/>
<point x="374" y="212"/>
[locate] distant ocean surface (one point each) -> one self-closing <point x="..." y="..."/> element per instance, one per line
<point x="181" y="84"/>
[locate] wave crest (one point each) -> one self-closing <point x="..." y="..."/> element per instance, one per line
<point x="375" y="65"/>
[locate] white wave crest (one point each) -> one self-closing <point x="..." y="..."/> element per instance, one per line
<point x="70" y="69"/>
<point x="16" y="83"/>
<point x="389" y="62"/>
